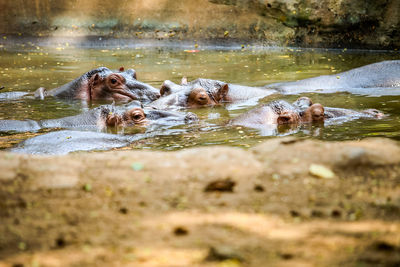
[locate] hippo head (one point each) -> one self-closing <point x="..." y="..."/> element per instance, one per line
<point x="308" y="111"/>
<point x="134" y="114"/>
<point x="198" y="93"/>
<point x="120" y="86"/>
<point x="314" y="113"/>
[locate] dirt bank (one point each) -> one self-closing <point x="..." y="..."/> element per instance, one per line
<point x="286" y="202"/>
<point x="310" y="23"/>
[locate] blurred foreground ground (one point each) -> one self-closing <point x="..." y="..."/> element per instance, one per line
<point x="213" y="206"/>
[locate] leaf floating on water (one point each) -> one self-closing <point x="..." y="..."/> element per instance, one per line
<point x="137" y="166"/>
<point x="321" y="171"/>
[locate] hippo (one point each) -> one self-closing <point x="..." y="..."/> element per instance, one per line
<point x="380" y="78"/>
<point x="339" y="115"/>
<point x="6" y="96"/>
<point x="66" y="141"/>
<point x="300" y="112"/>
<point x="99" y="84"/>
<point x="279" y="112"/>
<point x="205" y="93"/>
<point x="132" y="114"/>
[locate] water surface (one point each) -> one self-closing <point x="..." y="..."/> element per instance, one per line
<point x="27" y="67"/>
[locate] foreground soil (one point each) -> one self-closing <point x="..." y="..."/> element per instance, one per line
<point x="286" y="202"/>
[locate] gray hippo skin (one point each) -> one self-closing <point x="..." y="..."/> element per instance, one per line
<point x="279" y="112"/>
<point x="278" y="118"/>
<point x="339" y="115"/>
<point x="131" y="114"/>
<point x="98" y="84"/>
<point x="300" y="112"/>
<point x="64" y="142"/>
<point x="381" y="78"/>
<point x="205" y="92"/>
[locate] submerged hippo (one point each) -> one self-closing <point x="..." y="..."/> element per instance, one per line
<point x="104" y="116"/>
<point x="339" y="115"/>
<point x="300" y="112"/>
<point x="204" y="93"/>
<point x="277" y="113"/>
<point x="100" y="84"/>
<point x="375" y="79"/>
<point x="66" y="141"/>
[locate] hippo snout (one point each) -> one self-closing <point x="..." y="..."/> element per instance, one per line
<point x="191" y="117"/>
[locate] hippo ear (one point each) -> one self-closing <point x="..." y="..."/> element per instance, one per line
<point x="165" y="89"/>
<point x="222" y="92"/>
<point x="96" y="78"/>
<point x="131" y="72"/>
<point x="184" y="81"/>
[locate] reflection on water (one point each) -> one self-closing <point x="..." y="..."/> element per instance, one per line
<point x="25" y="68"/>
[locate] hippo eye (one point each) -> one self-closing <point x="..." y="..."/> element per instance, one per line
<point x="113" y="81"/>
<point x="137" y="117"/>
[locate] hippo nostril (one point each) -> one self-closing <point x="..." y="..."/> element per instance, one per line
<point x="202" y="99"/>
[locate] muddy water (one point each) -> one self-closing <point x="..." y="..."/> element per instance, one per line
<point x="27" y="67"/>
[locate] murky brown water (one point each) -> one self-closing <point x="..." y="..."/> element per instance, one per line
<point x="25" y="68"/>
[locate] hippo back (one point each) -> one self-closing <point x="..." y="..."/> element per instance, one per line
<point x="362" y="80"/>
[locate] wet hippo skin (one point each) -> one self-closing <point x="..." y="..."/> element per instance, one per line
<point x="98" y="84"/>
<point x="102" y="83"/>
<point x="340" y="115"/>
<point x="131" y="114"/>
<point x="380" y="78"/>
<point x="279" y="112"/>
<point x="66" y="141"/>
<point x="205" y="93"/>
<point x="302" y="111"/>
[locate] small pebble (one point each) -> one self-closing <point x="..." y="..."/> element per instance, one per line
<point x="123" y="210"/>
<point x="259" y="188"/>
<point x="223" y="254"/>
<point x="180" y="231"/>
<point x="220" y="186"/>
<point x="321" y="171"/>
<point x="294" y="213"/>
